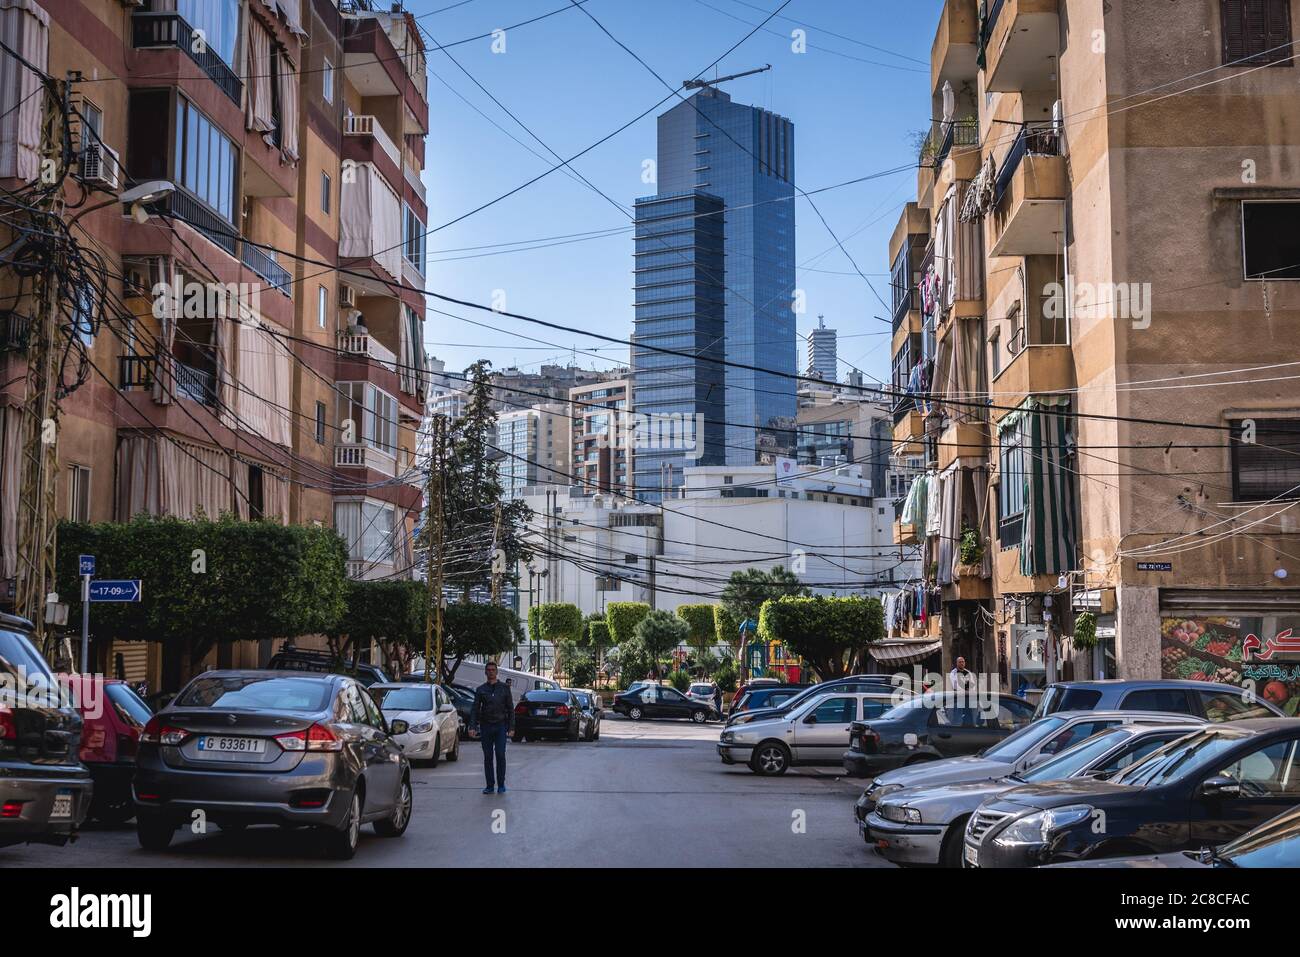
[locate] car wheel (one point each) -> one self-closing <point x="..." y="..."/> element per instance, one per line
<point x="950" y="854"/>
<point x="573" y="734"/>
<point x="699" y="717"/>
<point x="770" y="758"/>
<point x="437" y="750"/>
<point x="395" y="826"/>
<point x="341" y="844"/>
<point x="634" y="714"/>
<point x="454" y="753"/>
<point x="154" y="833"/>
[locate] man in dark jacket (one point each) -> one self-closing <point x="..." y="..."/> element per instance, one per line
<point x="491" y="719"/>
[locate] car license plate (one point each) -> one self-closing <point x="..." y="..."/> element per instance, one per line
<point x="972" y="856"/>
<point x="541" y="712"/>
<point x="62" y="805"/>
<point x="215" y="743"/>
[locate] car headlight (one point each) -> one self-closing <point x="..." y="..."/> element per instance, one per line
<point x="728" y="737"/>
<point x="420" y="728"/>
<point x="877" y="791"/>
<point x="1041" y="826"/>
<point x="900" y="813"/>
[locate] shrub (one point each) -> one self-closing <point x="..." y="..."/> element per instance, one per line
<point x="725" y="676"/>
<point x="680" y="680"/>
<point x="623" y="617"/>
<point x="559" y="622"/>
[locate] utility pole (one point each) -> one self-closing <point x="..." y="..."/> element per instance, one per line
<point x="433" y="570"/>
<point x="496" y="547"/>
<point x="37" y="515"/>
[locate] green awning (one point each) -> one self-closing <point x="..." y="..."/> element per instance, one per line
<point x="1050" y="532"/>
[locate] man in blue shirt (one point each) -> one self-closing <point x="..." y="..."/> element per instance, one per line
<point x="491" y="719"/>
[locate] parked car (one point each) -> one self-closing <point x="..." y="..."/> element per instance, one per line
<point x="45" y="792"/>
<point x="928" y="727"/>
<point x="926" y="825"/>
<point x="1034" y="743"/>
<point x="1201" y="699"/>
<point x="853" y="684"/>
<point x="812" y="733"/>
<point x="1274" y="844"/>
<point x="661" y="701"/>
<point x="463" y="698"/>
<point x="749" y="697"/>
<point x="701" y="691"/>
<point x="320" y="662"/>
<point x="432" y="724"/>
<point x="110" y="738"/>
<point x="266" y="747"/>
<point x="1203" y="789"/>
<point x="592" y="706"/>
<point x="549" y="714"/>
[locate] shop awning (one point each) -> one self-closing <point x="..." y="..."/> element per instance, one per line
<point x="904" y="652"/>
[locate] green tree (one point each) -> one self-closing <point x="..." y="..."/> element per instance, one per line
<point x="476" y="629"/>
<point x="392" y="613"/>
<point x="560" y="622"/>
<point x="699" y="619"/>
<point x="745" y="591"/>
<point x="623" y="617"/>
<point x="659" y="633"/>
<point x="831" y="634"/>
<point x="725" y="627"/>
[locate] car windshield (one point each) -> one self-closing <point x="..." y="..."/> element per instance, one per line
<point x="19" y="658"/>
<point x="584" y="700"/>
<point x="1014" y="745"/>
<point x="701" y="689"/>
<point x="128" y="705"/>
<point x="1059" y="698"/>
<point x="255" y="693"/>
<point x="1078" y="758"/>
<point x="403" y="699"/>
<point x="1273" y="844"/>
<point x="1180" y="757"/>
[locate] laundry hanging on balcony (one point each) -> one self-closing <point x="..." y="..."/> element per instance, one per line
<point x="914" y="505"/>
<point x="982" y="194"/>
<point x="1049" y="534"/>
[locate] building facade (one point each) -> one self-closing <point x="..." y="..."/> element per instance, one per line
<point x="603" y="429"/>
<point x="534" y="448"/>
<point x="1086" y="291"/>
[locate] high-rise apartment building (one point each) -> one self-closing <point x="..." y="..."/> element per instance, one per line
<point x="533" y="445"/>
<point x="603" y="429"/>
<point x="823" y="361"/>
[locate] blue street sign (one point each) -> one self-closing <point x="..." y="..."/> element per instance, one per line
<point x="121" y="590"/>
<point x="86" y="564"/>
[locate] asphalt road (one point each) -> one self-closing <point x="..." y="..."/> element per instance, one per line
<point x="652" y="794"/>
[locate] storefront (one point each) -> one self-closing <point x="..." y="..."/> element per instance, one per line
<point x="1246" y="638"/>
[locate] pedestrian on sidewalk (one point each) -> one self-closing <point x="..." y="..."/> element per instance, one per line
<point x="491" y="719"/>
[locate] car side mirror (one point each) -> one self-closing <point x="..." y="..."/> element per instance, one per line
<point x="444" y="708"/>
<point x="811" y="719"/>
<point x="1219" y="786"/>
<point x="398" y="726"/>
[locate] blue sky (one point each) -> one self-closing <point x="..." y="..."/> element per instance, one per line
<point x="853" y="109"/>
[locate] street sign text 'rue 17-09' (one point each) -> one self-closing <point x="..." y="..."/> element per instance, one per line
<point x="127" y="589"/>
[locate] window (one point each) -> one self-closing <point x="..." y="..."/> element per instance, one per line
<point x="218" y="19"/>
<point x="325" y="193"/>
<point x="320" y="423"/>
<point x="1223" y="706"/>
<point x="995" y="356"/>
<point x="1011" y="486"/>
<point x="836" y="711"/>
<point x="322" y="305"/>
<point x="327" y="81"/>
<point x="206" y="160"/>
<point x="78" y="493"/>
<point x="1268" y="466"/>
<point x="1256" y="32"/>
<point x="372" y="412"/>
<point x="1271" y="771"/>
<point x="1270" y="243"/>
<point x="1157" y="699"/>
<point x="413" y="239"/>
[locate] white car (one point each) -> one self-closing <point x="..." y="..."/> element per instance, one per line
<point x="814" y="732"/>
<point x="433" y="724"/>
<point x="701" y="691"/>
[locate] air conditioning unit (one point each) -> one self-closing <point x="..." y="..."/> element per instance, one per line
<point x="100" y="165"/>
<point x="347" y="297"/>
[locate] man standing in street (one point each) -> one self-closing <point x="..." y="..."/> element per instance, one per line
<point x="493" y="714"/>
<point x="963" y="683"/>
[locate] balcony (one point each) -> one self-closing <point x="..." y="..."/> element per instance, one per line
<point x="160" y="30"/>
<point x="365" y="125"/>
<point x="359" y="456"/>
<point x="135" y="372"/>
<point x="1021" y="42"/>
<point x="905" y="534"/>
<point x="968" y="585"/>
<point x="962" y="440"/>
<point x="361" y="344"/>
<point x="275" y="275"/>
<point x="197" y="385"/>
<point x="13" y="332"/>
<point x="1035" y="369"/>
<point x="183" y="205"/>
<point x="1029" y="196"/>
<point x="956" y="44"/>
<point x="909" y="429"/>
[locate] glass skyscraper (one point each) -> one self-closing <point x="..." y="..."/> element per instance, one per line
<point x="745" y="156"/>
<point x="679" y="305"/>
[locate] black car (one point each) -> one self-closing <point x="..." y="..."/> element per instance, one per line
<point x="929" y="727"/>
<point x="1275" y="843"/>
<point x="854" y="684"/>
<point x="45" y="791"/>
<point x="320" y="662"/>
<point x="549" y="714"/>
<point x="590" y="703"/>
<point x="661" y="701"/>
<point x="266" y="747"/>
<point x="1201" y="790"/>
<point x="463" y="698"/>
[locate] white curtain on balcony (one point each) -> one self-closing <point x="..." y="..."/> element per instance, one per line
<point x="164" y="371"/>
<point x="370" y="220"/>
<point x="10" y="479"/>
<point x="966" y="246"/>
<point x="25" y="28"/>
<point x="263" y="399"/>
<point x="275" y="497"/>
<point x="258" y="114"/>
<point x="137" y="476"/>
<point x="223" y="334"/>
<point x="166" y="476"/>
<point x="239" y="479"/>
<point x="288" y="109"/>
<point x="406" y="354"/>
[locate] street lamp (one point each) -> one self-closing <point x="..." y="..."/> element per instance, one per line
<point x="137" y="197"/>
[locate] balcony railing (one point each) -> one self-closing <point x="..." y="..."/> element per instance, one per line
<point x="183" y="205"/>
<point x="171" y="30"/>
<point x="359" y="456"/>
<point x="362" y="344"/>
<point x="13" y="332"/>
<point x="1039" y="139"/>
<point x="135" y="372"/>
<point x="944" y="135"/>
<point x="197" y="385"/>
<point x="256" y="259"/>
<point x="367" y="125"/>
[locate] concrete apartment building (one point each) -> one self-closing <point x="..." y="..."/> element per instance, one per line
<point x="288" y="128"/>
<point x="1100" y="259"/>
<point x="603" y="437"/>
<point x="533" y="445"/>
